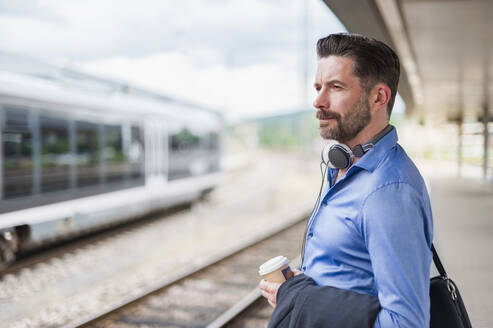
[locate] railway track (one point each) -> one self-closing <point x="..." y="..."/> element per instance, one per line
<point x="256" y="315"/>
<point x="223" y="293"/>
<point x="28" y="260"/>
<point x="72" y="283"/>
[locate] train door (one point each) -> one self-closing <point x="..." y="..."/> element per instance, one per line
<point x="165" y="149"/>
<point x="155" y="153"/>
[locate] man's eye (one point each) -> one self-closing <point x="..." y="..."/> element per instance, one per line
<point x="337" y="87"/>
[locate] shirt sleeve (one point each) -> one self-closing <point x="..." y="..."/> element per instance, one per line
<point x="396" y="228"/>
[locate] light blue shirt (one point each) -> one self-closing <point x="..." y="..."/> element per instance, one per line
<point x="372" y="234"/>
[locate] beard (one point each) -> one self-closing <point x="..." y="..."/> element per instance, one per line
<point x="349" y="125"/>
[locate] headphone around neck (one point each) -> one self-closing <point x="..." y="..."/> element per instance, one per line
<point x="340" y="156"/>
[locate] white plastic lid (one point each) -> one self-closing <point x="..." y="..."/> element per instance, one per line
<point x="273" y="264"/>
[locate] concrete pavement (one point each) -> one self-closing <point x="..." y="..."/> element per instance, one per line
<point x="463" y="218"/>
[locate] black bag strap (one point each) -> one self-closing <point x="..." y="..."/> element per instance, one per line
<point x="437" y="262"/>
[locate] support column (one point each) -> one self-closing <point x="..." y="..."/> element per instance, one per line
<point x="459" y="148"/>
<point x="486" y="135"/>
<point x="460" y="110"/>
<point x="486" y="115"/>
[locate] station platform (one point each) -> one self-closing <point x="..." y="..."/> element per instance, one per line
<point x="255" y="195"/>
<point x="463" y="227"/>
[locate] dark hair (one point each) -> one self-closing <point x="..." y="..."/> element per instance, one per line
<point x="374" y="60"/>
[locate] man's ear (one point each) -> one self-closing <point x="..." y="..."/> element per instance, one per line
<point x="379" y="97"/>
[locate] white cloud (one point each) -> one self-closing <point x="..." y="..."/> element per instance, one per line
<point x="244" y="56"/>
<point x="98" y="28"/>
<point x="258" y="89"/>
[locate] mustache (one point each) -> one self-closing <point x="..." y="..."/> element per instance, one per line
<point x="327" y="115"/>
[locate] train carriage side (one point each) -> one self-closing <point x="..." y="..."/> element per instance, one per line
<point x="68" y="167"/>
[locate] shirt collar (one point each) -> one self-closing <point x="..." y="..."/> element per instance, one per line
<point x="372" y="157"/>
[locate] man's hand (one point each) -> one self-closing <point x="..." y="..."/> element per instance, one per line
<point x="269" y="289"/>
<point x="297" y="272"/>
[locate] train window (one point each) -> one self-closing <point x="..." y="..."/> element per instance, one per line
<point x="55" y="154"/>
<point x="184" y="140"/>
<point x="17" y="154"/>
<point x="184" y="148"/>
<point x="136" y="153"/>
<point x="213" y="151"/>
<point x="212" y="141"/>
<point x="87" y="158"/>
<point x="114" y="158"/>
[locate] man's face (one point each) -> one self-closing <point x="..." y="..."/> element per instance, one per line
<point x="342" y="106"/>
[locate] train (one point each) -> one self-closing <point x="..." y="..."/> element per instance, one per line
<point x="80" y="153"/>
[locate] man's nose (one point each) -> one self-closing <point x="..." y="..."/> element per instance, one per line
<point x="321" y="101"/>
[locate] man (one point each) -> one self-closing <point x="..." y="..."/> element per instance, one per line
<point x="372" y="231"/>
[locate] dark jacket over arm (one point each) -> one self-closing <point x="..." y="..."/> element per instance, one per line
<point x="302" y="303"/>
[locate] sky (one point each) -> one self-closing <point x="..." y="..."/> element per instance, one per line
<point x="246" y="58"/>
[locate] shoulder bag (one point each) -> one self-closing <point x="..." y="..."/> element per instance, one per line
<point x="447" y="308"/>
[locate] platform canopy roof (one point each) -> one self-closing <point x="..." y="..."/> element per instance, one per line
<point x="445" y="47"/>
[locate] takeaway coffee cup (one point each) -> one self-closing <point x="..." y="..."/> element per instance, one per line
<point x="276" y="269"/>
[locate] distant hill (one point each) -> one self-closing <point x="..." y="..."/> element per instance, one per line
<point x="292" y="130"/>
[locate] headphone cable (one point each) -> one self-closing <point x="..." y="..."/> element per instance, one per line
<point x="323" y="171"/>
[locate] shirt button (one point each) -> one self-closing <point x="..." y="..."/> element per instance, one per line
<point x="310" y="235"/>
<point x="304" y="268"/>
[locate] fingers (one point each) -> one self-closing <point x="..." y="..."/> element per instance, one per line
<point x="266" y="295"/>
<point x="269" y="291"/>
<point x="297" y="272"/>
<point x="269" y="287"/>
<point x="271" y="298"/>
